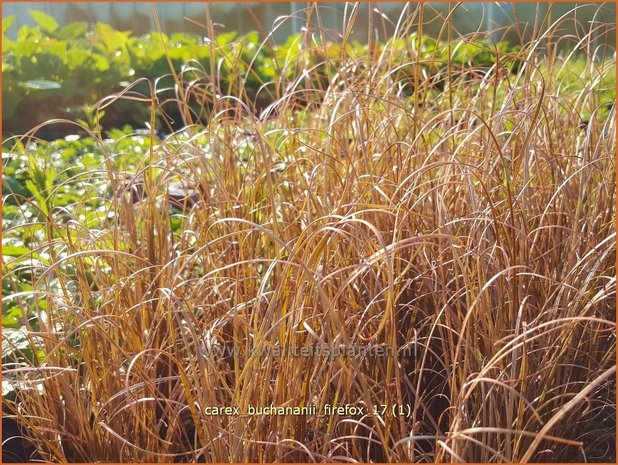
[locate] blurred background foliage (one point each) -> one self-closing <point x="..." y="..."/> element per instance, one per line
<point x="58" y="61"/>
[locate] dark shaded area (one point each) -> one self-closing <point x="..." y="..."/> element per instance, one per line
<point x="16" y="448"/>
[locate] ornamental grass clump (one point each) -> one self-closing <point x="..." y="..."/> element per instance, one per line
<point x="459" y="218"/>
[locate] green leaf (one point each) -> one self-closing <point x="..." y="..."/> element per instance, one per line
<point x="41" y="202"/>
<point x="73" y="30"/>
<point x="10" y="185"/>
<point x="28" y="34"/>
<point x="76" y="57"/>
<point x="46" y="22"/>
<point x="26" y="47"/>
<point x="100" y="62"/>
<point x="183" y="38"/>
<point x="7" y="23"/>
<point x="154" y="51"/>
<point x="15" y="250"/>
<point x="57" y="48"/>
<point x="226" y="38"/>
<point x="11" y="318"/>
<point x="112" y="39"/>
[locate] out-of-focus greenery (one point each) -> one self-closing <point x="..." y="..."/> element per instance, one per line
<point x="60" y="72"/>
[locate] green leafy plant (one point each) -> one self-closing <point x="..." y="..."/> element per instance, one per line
<point x="60" y="72"/>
